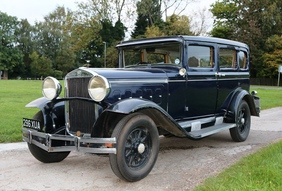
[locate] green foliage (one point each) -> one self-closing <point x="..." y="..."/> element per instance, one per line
<point x="178" y="25"/>
<point x="259" y="171"/>
<point x="252" y="22"/>
<point x="40" y="65"/>
<point x="110" y="33"/>
<point x="149" y="14"/>
<point x="272" y="57"/>
<point x="65" y="40"/>
<point x="10" y="54"/>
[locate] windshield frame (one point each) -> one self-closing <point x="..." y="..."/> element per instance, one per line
<point x="171" y="51"/>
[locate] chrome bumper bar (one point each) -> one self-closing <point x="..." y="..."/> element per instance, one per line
<point x="80" y="144"/>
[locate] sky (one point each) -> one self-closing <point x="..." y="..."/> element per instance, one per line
<point x="35" y="10"/>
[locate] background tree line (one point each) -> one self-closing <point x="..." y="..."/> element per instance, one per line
<point x="257" y="23"/>
<point x="68" y="39"/>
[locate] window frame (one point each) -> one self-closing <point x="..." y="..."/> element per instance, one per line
<point x="213" y="59"/>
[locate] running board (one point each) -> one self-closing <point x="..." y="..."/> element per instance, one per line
<point x="211" y="130"/>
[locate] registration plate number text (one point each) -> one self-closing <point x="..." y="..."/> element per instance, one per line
<point x="31" y="123"/>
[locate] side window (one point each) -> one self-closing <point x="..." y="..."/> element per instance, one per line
<point x="242" y="58"/>
<point x="200" y="56"/>
<point x="227" y="58"/>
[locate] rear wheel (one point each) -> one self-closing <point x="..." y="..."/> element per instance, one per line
<point x="42" y="155"/>
<point x="137" y="147"/>
<point x="243" y="123"/>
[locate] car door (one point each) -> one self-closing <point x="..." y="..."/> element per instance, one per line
<point x="233" y="73"/>
<point x="201" y="91"/>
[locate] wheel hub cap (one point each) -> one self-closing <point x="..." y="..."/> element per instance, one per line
<point x="141" y="148"/>
<point x="242" y="121"/>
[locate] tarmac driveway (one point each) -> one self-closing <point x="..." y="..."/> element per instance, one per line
<point x="182" y="163"/>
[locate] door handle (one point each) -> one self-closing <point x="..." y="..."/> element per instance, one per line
<point x="219" y="74"/>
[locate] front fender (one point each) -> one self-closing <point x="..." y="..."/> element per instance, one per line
<point x="53" y="113"/>
<point x="124" y="107"/>
<point x="127" y="106"/>
<point x="38" y="103"/>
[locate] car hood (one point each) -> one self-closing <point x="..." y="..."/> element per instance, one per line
<point x="147" y="83"/>
<point x="127" y="73"/>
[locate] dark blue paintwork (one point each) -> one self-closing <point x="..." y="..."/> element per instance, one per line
<point x="198" y="93"/>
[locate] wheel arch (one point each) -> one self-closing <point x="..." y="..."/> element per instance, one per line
<point x="239" y="95"/>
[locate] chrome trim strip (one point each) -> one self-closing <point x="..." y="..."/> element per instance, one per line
<point x="214" y="79"/>
<point x="184" y="80"/>
<point x="138" y="81"/>
<point x="89" y="71"/>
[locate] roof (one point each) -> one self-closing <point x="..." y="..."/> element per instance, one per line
<point x="181" y="38"/>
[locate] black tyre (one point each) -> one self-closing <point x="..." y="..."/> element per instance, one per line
<point x="42" y="155"/>
<point x="243" y="123"/>
<point x="137" y="147"/>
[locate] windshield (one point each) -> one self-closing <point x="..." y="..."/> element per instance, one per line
<point x="152" y="54"/>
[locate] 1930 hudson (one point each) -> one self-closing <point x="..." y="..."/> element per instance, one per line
<point x="181" y="85"/>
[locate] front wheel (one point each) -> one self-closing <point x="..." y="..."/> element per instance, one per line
<point x="42" y="155"/>
<point x="243" y="123"/>
<point x="137" y="147"/>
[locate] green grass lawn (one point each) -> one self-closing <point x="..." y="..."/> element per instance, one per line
<point x="269" y="96"/>
<point x="259" y="171"/>
<point x="14" y="95"/>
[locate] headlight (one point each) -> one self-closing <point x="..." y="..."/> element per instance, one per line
<point x="98" y="88"/>
<point x="51" y="88"/>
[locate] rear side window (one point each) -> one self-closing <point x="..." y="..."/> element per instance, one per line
<point x="227" y="58"/>
<point x="242" y="57"/>
<point x="200" y="56"/>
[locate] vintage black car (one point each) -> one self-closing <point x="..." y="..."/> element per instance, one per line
<point x="182" y="86"/>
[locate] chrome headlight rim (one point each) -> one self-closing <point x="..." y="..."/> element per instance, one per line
<point x="51" y="88"/>
<point x="98" y="88"/>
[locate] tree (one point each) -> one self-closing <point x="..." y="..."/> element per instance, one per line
<point x="10" y="54"/>
<point x="177" y="25"/>
<point x="272" y="58"/>
<point x="252" y="22"/>
<point x="149" y="14"/>
<point x="201" y="22"/>
<point x="53" y="39"/>
<point x="26" y="45"/>
<point x="153" y="31"/>
<point x="178" y="6"/>
<point x="225" y="15"/>
<point x="40" y="66"/>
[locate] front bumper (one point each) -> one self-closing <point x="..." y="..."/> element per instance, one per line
<point x="72" y="143"/>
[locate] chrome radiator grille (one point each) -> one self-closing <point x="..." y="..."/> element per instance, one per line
<point x="81" y="114"/>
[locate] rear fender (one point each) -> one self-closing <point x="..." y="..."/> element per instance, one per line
<point x="239" y="96"/>
<point x="53" y="113"/>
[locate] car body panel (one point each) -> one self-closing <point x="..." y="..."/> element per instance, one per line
<point x="179" y="97"/>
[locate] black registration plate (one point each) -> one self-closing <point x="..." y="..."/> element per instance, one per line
<point x="31" y="123"/>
